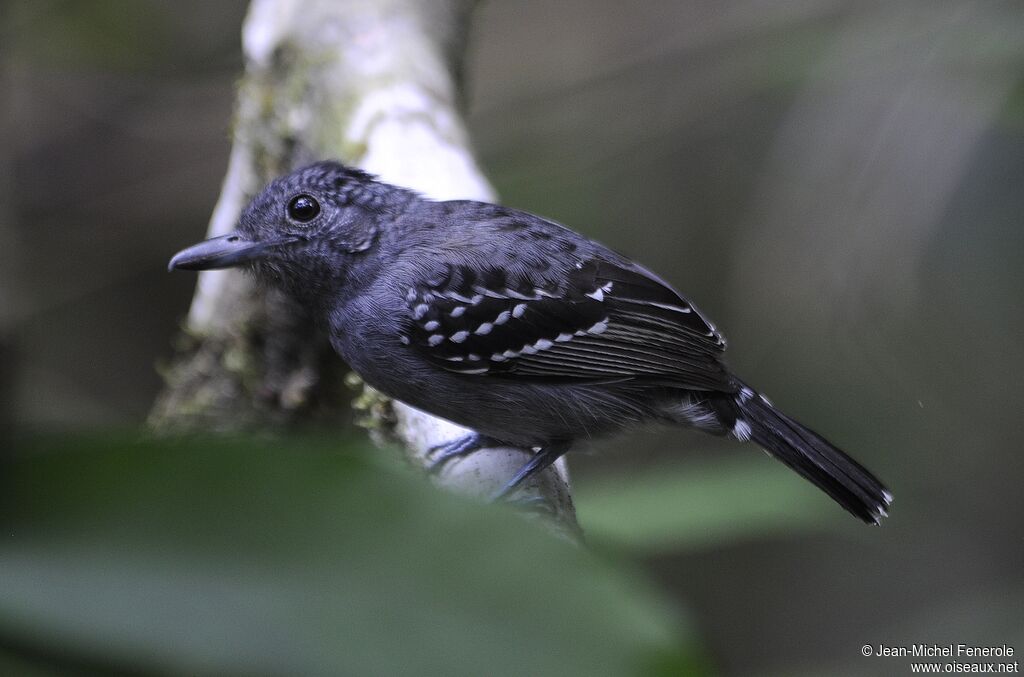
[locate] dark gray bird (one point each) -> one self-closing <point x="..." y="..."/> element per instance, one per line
<point x="507" y="323"/>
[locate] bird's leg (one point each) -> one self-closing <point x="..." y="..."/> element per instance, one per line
<point x="460" y="446"/>
<point x="542" y="458"/>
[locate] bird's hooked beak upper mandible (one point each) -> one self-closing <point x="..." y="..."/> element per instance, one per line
<point x="225" y="251"/>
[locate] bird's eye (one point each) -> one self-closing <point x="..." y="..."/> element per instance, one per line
<point x="303" y="208"/>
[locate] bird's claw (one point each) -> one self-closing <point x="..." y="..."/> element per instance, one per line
<point x="440" y="454"/>
<point x="541" y="459"/>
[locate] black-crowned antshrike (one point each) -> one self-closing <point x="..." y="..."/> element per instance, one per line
<point x="507" y="323"/>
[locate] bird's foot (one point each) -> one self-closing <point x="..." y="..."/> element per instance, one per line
<point x="440" y="454"/>
<point x="541" y="459"/>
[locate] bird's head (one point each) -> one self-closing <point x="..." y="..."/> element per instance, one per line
<point x="303" y="229"/>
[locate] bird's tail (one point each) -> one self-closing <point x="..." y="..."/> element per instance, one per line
<point x="846" y="481"/>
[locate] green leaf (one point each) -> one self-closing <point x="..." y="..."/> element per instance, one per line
<point x="691" y="506"/>
<point x="246" y="557"/>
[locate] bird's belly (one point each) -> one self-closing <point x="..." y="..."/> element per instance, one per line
<point x="525" y="414"/>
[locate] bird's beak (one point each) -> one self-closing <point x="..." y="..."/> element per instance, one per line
<point x="225" y="251"/>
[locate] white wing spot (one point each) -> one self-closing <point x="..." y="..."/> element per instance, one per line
<point x="599" y="327"/>
<point x="488" y="292"/>
<point x="432" y="325"/>
<point x="498" y="357"/>
<point x="510" y="354"/>
<point x="669" y="306"/>
<point x="404" y="339"/>
<point x="435" y="339"/>
<point x="460" y="336"/>
<point x="410" y="296"/>
<point x="543" y="344"/>
<point x="502" y="317"/>
<point x="562" y="338"/>
<point x="518" y="310"/>
<point x="484" y="329"/>
<point x="458" y="311"/>
<point x="419" y="311"/>
<point x="481" y="370"/>
<point x="471" y="300"/>
<point x="745" y="395"/>
<point x="598" y="294"/>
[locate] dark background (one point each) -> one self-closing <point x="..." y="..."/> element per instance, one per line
<point x="838" y="184"/>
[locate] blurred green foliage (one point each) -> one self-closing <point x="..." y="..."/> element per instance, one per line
<point x="837" y="184"/>
<point x="118" y="36"/>
<point x="687" y="506"/>
<point x="215" y="556"/>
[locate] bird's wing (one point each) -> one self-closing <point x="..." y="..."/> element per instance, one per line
<point x="600" y="321"/>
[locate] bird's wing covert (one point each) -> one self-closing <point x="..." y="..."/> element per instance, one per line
<point x="601" y="321"/>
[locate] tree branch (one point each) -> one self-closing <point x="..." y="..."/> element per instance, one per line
<point x="371" y="82"/>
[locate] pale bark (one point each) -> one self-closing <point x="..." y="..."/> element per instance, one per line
<point x="372" y="83"/>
